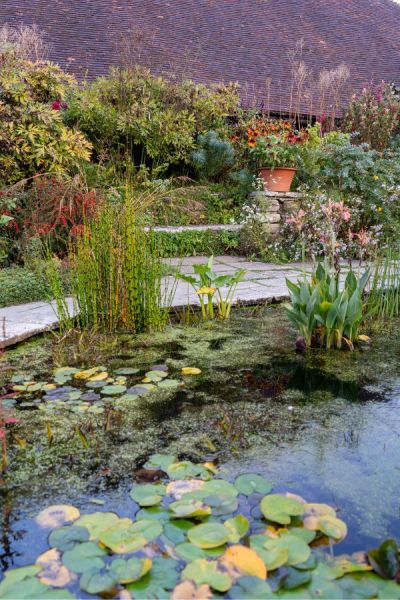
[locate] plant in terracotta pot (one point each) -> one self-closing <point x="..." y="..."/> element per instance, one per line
<point x="276" y="157"/>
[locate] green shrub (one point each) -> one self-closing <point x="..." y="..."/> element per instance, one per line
<point x="196" y="243"/>
<point x="19" y="286"/>
<point x="132" y="116"/>
<point x="33" y="137"/>
<point x="213" y="156"/>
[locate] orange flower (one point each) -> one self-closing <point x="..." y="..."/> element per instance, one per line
<point x="252" y="143"/>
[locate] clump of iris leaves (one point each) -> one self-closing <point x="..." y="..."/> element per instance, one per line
<point x="193" y="534"/>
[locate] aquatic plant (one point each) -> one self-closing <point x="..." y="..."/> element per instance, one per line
<point x="208" y="288"/>
<point x="116" y="272"/>
<point x="5" y="419"/>
<point x="383" y="300"/>
<point x="324" y="312"/>
<point x="188" y="539"/>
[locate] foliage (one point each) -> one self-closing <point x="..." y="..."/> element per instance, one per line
<point x="19" y="285"/>
<point x="383" y="300"/>
<point x="33" y="137"/>
<point x="323" y="311"/>
<point x="198" y="548"/>
<point x="116" y="271"/>
<point x="373" y="115"/>
<point x="213" y="156"/>
<point x="196" y="243"/>
<point x="278" y="150"/>
<point x="132" y="115"/>
<point x="208" y="286"/>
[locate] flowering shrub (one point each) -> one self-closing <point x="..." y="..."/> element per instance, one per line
<point x="374" y="115"/>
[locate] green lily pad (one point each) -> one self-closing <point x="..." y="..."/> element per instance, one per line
<point x="169" y="383"/>
<point x="160" y="461"/>
<point x="385" y="559"/>
<point x="250" y="482"/>
<point x="237" y="527"/>
<point x="189" y="508"/>
<point x="126" y="371"/>
<point x="153" y="513"/>
<point x="95" y="384"/>
<point x="126" y="536"/>
<point x="149" y="494"/>
<point x="204" y="571"/>
<point x="113" y="390"/>
<point x="187" y="470"/>
<point x="177" y="529"/>
<point x="96" y="522"/>
<point x="15" y="576"/>
<point x="208" y="535"/>
<point x="65" y="538"/>
<point x="298" y="550"/>
<point x="126" y="571"/>
<point x="95" y="582"/>
<point x="251" y="588"/>
<point x="140" y="389"/>
<point x="280" y="509"/>
<point x="84" y="557"/>
<point x="30" y="587"/>
<point x="189" y="552"/>
<point x="157" y="583"/>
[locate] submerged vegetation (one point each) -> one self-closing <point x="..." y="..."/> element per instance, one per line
<point x="191" y="534"/>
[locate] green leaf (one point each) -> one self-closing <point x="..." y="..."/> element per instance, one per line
<point x="148" y="494"/>
<point x="160" y="461"/>
<point x="237" y="527"/>
<point x="204" y="571"/>
<point x="208" y="535"/>
<point x="97" y="522"/>
<point x="113" y="390"/>
<point x="298" y="550"/>
<point x="84" y="557"/>
<point x="251" y="482"/>
<point x="385" y="559"/>
<point x="251" y="588"/>
<point x="95" y="582"/>
<point x="162" y="577"/>
<point x="280" y="509"/>
<point x="126" y="571"/>
<point x="65" y="538"/>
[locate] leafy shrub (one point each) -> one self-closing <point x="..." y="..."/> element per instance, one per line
<point x="19" y="286"/>
<point x="33" y="137"/>
<point x="134" y="116"/>
<point x="196" y="243"/>
<point x="213" y="156"/>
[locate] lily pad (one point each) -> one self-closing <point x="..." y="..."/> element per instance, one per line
<point x="113" y="390"/>
<point x="148" y="494"/>
<point x="250" y="482"/>
<point x="280" y="509"/>
<point x="237" y="527"/>
<point x="126" y="571"/>
<point x="251" y="588"/>
<point x="84" y="557"/>
<point x="97" y="522"/>
<point x="96" y="582"/>
<point x="65" y="538"/>
<point x="57" y="515"/>
<point x="189" y="508"/>
<point x="204" y="571"/>
<point x="298" y="550"/>
<point x="126" y="536"/>
<point x="160" y="461"/>
<point x="191" y="371"/>
<point x="162" y="577"/>
<point x="208" y="535"/>
<point x="126" y="371"/>
<point x="241" y="560"/>
<point x="169" y="383"/>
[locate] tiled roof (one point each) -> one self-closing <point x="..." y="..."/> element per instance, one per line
<point x="249" y="41"/>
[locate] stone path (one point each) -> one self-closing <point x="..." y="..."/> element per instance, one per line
<point x="263" y="282"/>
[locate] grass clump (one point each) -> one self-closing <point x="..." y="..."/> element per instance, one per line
<point x="19" y="285"/>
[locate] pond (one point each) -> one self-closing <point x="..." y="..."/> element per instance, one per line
<point x="325" y="426"/>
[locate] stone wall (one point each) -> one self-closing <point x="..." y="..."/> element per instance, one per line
<point x="274" y="208"/>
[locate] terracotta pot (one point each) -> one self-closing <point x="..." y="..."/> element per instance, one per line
<point x="278" y="179"/>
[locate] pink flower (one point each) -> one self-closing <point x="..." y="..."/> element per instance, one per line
<point x="56" y="105"/>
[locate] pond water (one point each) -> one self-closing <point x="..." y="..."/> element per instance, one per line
<point x="323" y="426"/>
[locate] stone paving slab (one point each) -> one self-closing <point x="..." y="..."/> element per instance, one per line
<point x="263" y="283"/>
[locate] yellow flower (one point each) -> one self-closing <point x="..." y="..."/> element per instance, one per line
<point x="379" y="209"/>
<point x="376" y="177"/>
<point x="205" y="291"/>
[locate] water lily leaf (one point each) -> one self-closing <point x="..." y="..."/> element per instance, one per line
<point x="160" y="461"/>
<point x="251" y="588"/>
<point x="169" y="383"/>
<point x="126" y="571"/>
<point x="65" y="538"/>
<point x="237" y="527"/>
<point x="53" y="572"/>
<point x="221" y="504"/>
<point x="95" y="582"/>
<point x="208" y="535"/>
<point x="219" y="487"/>
<point x="153" y="513"/>
<point x="319" y="510"/>
<point x="189" y="508"/>
<point x="240" y="560"/>
<point x="99" y="376"/>
<point x="189" y="552"/>
<point x="126" y="371"/>
<point x="84" y="557"/>
<point x="330" y="526"/>
<point x="305" y="534"/>
<point x="295" y="578"/>
<point x="176" y="530"/>
<point x="280" y="509"/>
<point x="251" y="482"/>
<point x="113" y="390"/>
<point x="179" y="488"/>
<point x="141" y="388"/>
<point x="298" y="550"/>
<point x="148" y="494"/>
<point x="15" y="576"/>
<point x="94" y="385"/>
<point x="97" y="522"/>
<point x="191" y="371"/>
<point x="57" y="515"/>
<point x="187" y="590"/>
<point x="203" y="571"/>
<point x="85" y="374"/>
<point x="157" y="373"/>
<point x="29" y="587"/>
<point x="122" y="538"/>
<point x="187" y="470"/>
<point x="385" y="559"/>
<point x="163" y="576"/>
